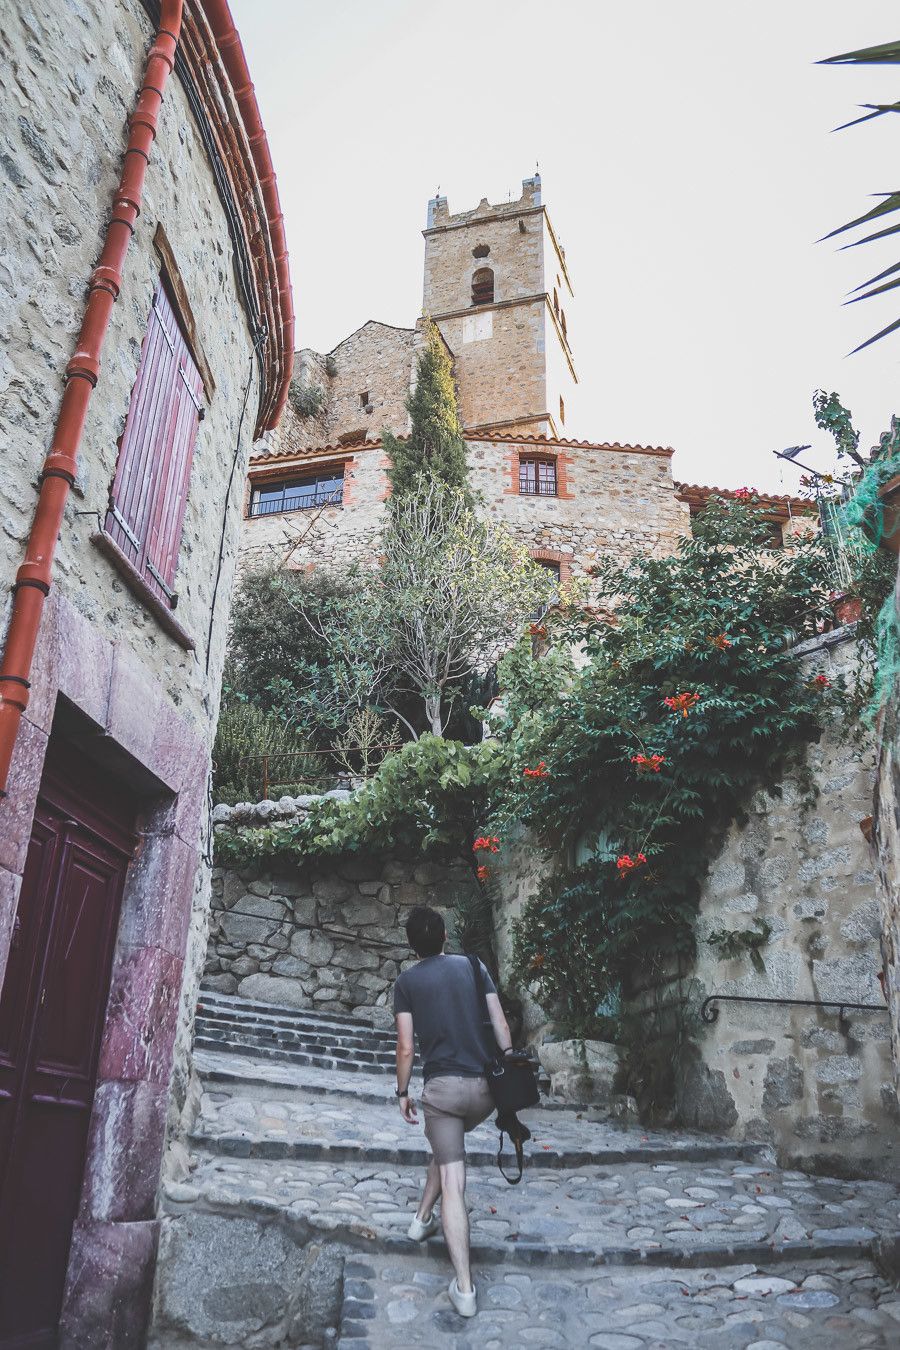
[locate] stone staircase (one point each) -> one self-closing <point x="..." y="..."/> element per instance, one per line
<point x="618" y="1238"/>
<point x="230" y="1024"/>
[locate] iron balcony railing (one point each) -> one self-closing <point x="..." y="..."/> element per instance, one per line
<point x="329" y="497"/>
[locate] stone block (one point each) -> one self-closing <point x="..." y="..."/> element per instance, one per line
<point x="291" y="966"/>
<point x="355" y="958"/>
<point x="224" y="1280"/>
<point x="394" y="872"/>
<point x="838" y="1069"/>
<point x="124" y="1152"/>
<point x="221" y="984"/>
<point x="244" y="965"/>
<point x="332" y="889"/>
<point x="312" y="947"/>
<point x="109" y="1285"/>
<point x="141" y="1016"/>
<point x="783" y="1085"/>
<point x="274" y="989"/>
<point x="305" y="909"/>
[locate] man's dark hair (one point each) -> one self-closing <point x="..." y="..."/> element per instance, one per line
<point x="425" y="931"/>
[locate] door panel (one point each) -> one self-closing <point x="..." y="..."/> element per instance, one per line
<point x="52" y="1009"/>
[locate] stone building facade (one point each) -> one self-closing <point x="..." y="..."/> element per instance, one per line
<point x="816" y="1081"/>
<point x="617" y="498"/>
<point x="104" y="828"/>
<point x="316" y="488"/>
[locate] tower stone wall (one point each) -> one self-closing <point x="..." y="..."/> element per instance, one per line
<point x="512" y="355"/>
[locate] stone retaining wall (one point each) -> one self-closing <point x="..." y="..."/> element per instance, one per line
<point x="820" y="1088"/>
<point x="329" y="935"/>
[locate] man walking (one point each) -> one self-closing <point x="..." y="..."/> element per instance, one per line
<point x="437" y="999"/>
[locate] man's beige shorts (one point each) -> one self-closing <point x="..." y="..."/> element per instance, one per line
<point x="452" y="1107"/>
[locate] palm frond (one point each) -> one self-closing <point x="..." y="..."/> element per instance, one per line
<point x="886" y="53"/>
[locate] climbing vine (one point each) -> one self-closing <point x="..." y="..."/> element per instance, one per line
<point x="673" y="702"/>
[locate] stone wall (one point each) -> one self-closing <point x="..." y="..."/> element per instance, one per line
<point x="817" y="1085"/>
<point x="887" y="842"/>
<point x="512" y="359"/>
<point x="142" y="702"/>
<point x="328" y="935"/>
<point x="612" y="498"/>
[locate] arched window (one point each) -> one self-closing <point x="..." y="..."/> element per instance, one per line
<point x="483" y="286"/>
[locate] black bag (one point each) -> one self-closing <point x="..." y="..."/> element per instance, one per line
<point x="513" y="1084"/>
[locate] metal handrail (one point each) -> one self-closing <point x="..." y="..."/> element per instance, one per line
<point x="709" y="1014"/>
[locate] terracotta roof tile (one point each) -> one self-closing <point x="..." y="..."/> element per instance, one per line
<point x="313" y="451"/>
<point x="697" y="492"/>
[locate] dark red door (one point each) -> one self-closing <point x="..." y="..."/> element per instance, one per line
<point x="52" y="1010"/>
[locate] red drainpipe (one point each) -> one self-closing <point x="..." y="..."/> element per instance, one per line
<point x="33" y="578"/>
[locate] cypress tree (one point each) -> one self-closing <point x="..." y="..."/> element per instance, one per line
<point x="435" y="446"/>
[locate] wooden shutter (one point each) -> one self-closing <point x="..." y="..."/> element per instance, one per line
<point x="149" y="492"/>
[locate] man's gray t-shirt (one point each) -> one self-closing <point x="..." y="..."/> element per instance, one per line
<point x="441" y="994"/>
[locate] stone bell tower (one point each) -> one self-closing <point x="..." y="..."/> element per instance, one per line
<point x="497" y="287"/>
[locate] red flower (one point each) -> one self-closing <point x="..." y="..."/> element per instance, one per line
<point x="744" y="494"/>
<point x="537" y="630"/>
<point x="627" y="864"/>
<point x="488" y="842"/>
<point x="648" y="763"/>
<point x="541" y="771"/>
<point x="820" y="682"/>
<point x="536" y="961"/>
<point x="721" y="642"/>
<point x="482" y="872"/>
<point x="681" y="703"/>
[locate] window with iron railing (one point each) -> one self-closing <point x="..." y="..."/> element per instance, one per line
<point x="537" y="477"/>
<point x="298" y="494"/>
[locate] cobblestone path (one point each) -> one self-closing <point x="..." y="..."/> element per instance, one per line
<point x="617" y="1238"/>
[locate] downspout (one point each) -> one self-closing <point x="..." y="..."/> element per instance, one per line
<point x="34" y="577"/>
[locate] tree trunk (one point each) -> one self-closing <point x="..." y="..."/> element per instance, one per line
<point x="433" y="713"/>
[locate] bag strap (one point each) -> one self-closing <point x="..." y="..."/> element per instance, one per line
<point x="482" y="996"/>
<point x="520" y="1158"/>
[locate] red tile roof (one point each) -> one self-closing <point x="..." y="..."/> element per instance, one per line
<point x="696" y="494"/>
<point x="314" y="451"/>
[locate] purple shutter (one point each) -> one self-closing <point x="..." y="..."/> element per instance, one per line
<point x="149" y="492"/>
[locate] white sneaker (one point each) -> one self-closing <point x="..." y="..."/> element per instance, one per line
<point x="420" y="1229"/>
<point x="465" y="1304"/>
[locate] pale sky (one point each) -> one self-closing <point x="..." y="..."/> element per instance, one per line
<point x="688" y="168"/>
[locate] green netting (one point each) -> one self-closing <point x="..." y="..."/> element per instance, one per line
<point x="859" y="526"/>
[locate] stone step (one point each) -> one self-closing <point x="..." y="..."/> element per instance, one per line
<point x="239" y="1072"/>
<point x="321" y="1023"/>
<point x="830" y="1304"/>
<point x="559" y="1218"/>
<point x="322" y="1061"/>
<point x="312" y="1043"/>
<point x="281" y="1027"/>
<point x="261" y="1126"/>
<point x="213" y="998"/>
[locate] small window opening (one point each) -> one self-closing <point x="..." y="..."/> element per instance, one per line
<point x="483" y="287"/>
<point x="481" y="250"/>
<point x="554" y="569"/>
<point x="365" y="400"/>
<point x="537" y="477"/>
